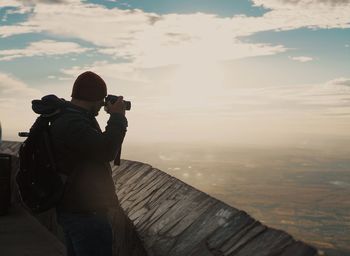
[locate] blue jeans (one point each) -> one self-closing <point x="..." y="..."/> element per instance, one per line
<point x="87" y="234"/>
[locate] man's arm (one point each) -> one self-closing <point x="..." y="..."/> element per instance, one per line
<point x="89" y="142"/>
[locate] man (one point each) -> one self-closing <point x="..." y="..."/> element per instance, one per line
<point x="83" y="152"/>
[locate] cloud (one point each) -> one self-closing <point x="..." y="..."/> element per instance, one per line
<point x="10" y="3"/>
<point x="290" y="14"/>
<point x="6" y="31"/>
<point x="15" y="105"/>
<point x="279" y="4"/>
<point x="109" y="71"/>
<point x="22" y="10"/>
<point x="315" y="100"/>
<point x="147" y="39"/>
<point x="42" y="48"/>
<point x="271" y="115"/>
<point x="340" y="82"/>
<point x="303" y="101"/>
<point x="150" y="40"/>
<point x="12" y="88"/>
<point x="301" y="58"/>
<point x="44" y="1"/>
<point x="48" y="1"/>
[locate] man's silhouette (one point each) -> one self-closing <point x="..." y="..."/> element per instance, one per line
<point x="83" y="152"/>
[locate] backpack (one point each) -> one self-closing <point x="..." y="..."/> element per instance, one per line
<point x="40" y="185"/>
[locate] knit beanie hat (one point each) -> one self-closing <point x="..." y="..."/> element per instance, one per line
<point x="89" y="86"/>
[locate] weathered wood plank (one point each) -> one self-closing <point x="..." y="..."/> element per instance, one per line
<point x="216" y="216"/>
<point x="203" y="250"/>
<point x="118" y="171"/>
<point x="126" y="173"/>
<point x="139" y="179"/>
<point x="245" y="235"/>
<point x="299" y="249"/>
<point x="149" y="195"/>
<point x="220" y="237"/>
<point x="10" y="147"/>
<point x="145" y="181"/>
<point x="269" y="242"/>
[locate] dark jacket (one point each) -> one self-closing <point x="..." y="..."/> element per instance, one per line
<point x="84" y="152"/>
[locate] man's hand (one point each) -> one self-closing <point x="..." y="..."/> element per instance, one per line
<point x="116" y="107"/>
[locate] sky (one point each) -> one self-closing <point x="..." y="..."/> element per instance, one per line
<point x="230" y="72"/>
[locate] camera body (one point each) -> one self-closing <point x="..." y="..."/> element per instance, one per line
<point x="112" y="99"/>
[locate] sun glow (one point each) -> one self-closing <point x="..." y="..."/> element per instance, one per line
<point x="195" y="83"/>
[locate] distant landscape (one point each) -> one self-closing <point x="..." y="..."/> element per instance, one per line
<point x="303" y="191"/>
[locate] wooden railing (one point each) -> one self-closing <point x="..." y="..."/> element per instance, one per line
<point x="162" y="215"/>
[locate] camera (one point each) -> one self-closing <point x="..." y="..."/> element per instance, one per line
<point x="112" y="99"/>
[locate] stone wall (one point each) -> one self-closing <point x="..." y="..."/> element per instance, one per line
<point x="174" y="219"/>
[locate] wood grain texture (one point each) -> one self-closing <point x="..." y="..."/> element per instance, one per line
<point x="175" y="219"/>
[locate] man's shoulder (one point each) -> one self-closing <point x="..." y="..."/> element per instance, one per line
<point x="71" y="114"/>
<point x="68" y="119"/>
